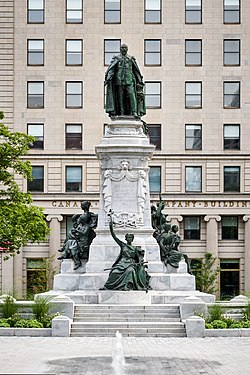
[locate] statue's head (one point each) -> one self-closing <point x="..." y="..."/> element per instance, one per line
<point x="124" y="49"/>
<point x="129" y="237"/>
<point x="85" y="205"/>
<point x="175" y="228"/>
<point x="166" y="227"/>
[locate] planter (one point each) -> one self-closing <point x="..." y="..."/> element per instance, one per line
<point x="228" y="332"/>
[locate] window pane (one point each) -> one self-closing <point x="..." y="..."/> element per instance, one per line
<point x="36" y="4"/>
<point x="74" y="45"/>
<point x="112" y="11"/>
<point x="193" y="88"/>
<point x="36" y="130"/>
<point x="231" y="131"/>
<point x="193" y="137"/>
<point x="74" y="137"/>
<point x="154" y="132"/>
<point x="74" y="179"/>
<point x="111" y="48"/>
<point x="35" y="88"/>
<point x="35" y="52"/>
<point x="193" y="179"/>
<point x="152" y="16"/>
<point x="112" y="4"/>
<point x="37" y="184"/>
<point x="153" y="4"/>
<point x="231" y="179"/>
<point x="74" y="4"/>
<point x="231" y="137"/>
<point x="74" y="87"/>
<point x="152" y="87"/>
<point x="191" y="228"/>
<point x="229" y="226"/>
<point x="155" y="179"/>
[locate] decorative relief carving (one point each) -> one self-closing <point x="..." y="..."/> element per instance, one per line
<point x="118" y="130"/>
<point x="124" y="181"/>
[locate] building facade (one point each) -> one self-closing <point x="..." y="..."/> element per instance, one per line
<point x="195" y="59"/>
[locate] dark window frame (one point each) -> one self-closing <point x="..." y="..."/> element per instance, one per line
<point x="193" y="53"/>
<point x="193" y="191"/>
<point x="30" y="183"/>
<point x="160" y="184"/>
<point x="67" y="52"/>
<point x="29" y="95"/>
<point x="193" y="137"/>
<point x="67" y="190"/>
<point x="104" y="49"/>
<point x="188" y="95"/>
<point x="230" y="52"/>
<point x="186" y="12"/>
<point x="105" y="11"/>
<point x="236" y="95"/>
<point x="68" y="94"/>
<point x="28" y="14"/>
<point x="228" y="138"/>
<point x="160" y="95"/>
<point x="68" y="9"/>
<point x="69" y="139"/>
<point x="157" y="138"/>
<point x="234" y="236"/>
<point x="233" y="10"/>
<point x="195" y="236"/>
<point x="235" y="289"/>
<point x="226" y="189"/>
<point x="148" y="10"/>
<point x="152" y="52"/>
<point x="40" y="52"/>
<point x="34" y="144"/>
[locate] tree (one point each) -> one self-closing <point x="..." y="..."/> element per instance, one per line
<point x="206" y="274"/>
<point x="20" y="221"/>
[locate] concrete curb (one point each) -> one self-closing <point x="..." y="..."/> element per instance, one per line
<point x="228" y="332"/>
<point x="34" y="332"/>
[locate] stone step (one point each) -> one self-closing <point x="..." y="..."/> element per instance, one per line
<point x="124" y="318"/>
<point x="129" y="308"/>
<point x="132" y="331"/>
<point x="121" y="324"/>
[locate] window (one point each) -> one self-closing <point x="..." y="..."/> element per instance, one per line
<point x="154" y="132"/>
<point x="152" y="11"/>
<point x="36" y="276"/>
<point x="193" y="180"/>
<point x="229" y="278"/>
<point x="73" y="137"/>
<point x="193" y="95"/>
<point x="153" y="94"/>
<point x="231" y="137"/>
<point x="35" y="11"/>
<point x="193" y="137"/>
<point x="35" y="52"/>
<point x="73" y="94"/>
<point x="231" y="179"/>
<point x="112" y="11"/>
<point x="193" y="11"/>
<point x="229" y="228"/>
<point x="111" y="48"/>
<point x="73" y="179"/>
<point x="155" y="179"/>
<point x="152" y="48"/>
<point x="191" y="228"/>
<point x="231" y="11"/>
<point x="193" y="52"/>
<point x="36" y="130"/>
<point x="74" y="52"/>
<point x="232" y="52"/>
<point x="74" y="11"/>
<point x="37" y="184"/>
<point x="35" y="95"/>
<point x="231" y="94"/>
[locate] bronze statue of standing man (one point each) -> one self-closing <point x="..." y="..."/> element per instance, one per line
<point x="124" y="83"/>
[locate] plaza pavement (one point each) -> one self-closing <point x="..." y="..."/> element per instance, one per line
<point x="152" y="356"/>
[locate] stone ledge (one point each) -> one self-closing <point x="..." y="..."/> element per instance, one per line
<point x="33" y="332"/>
<point x="228" y="332"/>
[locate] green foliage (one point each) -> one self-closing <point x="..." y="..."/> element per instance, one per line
<point x="9" y="307"/>
<point x="41" y="311"/>
<point x="4" y="323"/>
<point x="208" y="325"/>
<point x="20" y="221"/>
<point x="206" y="274"/>
<point x="215" y="312"/>
<point x="229" y="322"/>
<point x="218" y="324"/>
<point x="28" y="323"/>
<point x="246" y="311"/>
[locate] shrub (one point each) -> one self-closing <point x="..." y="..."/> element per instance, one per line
<point x="208" y="326"/>
<point x="206" y="274"/>
<point x="229" y="321"/>
<point x="215" y="312"/>
<point x="9" y="307"/>
<point x="246" y="311"/>
<point x="28" y="323"/>
<point x="4" y="323"/>
<point x="219" y="324"/>
<point x="41" y="310"/>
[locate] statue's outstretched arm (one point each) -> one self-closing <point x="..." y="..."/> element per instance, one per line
<point x="119" y="242"/>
